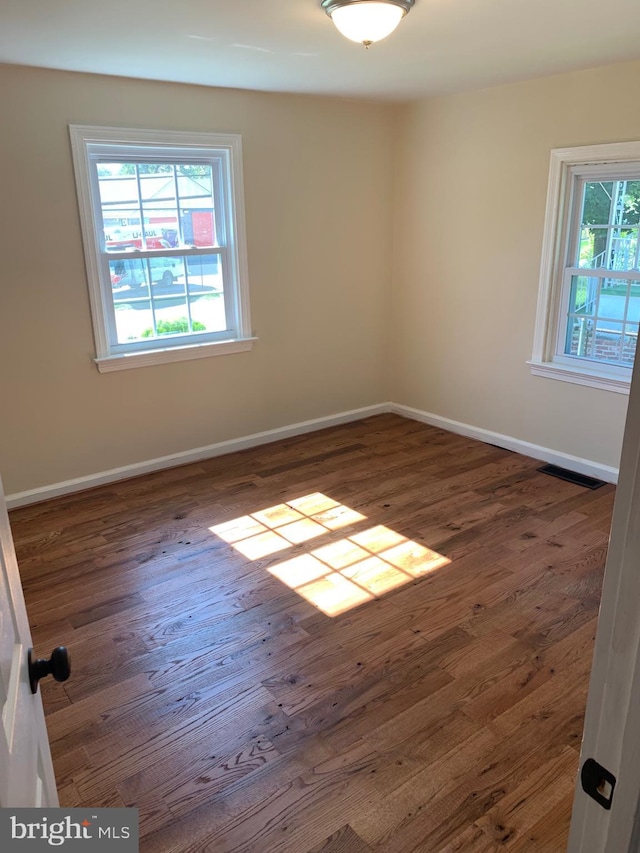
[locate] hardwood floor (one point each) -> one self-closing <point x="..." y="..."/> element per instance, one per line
<point x="442" y="713"/>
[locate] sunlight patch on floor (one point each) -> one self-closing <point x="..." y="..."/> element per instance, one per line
<point x="341" y="574"/>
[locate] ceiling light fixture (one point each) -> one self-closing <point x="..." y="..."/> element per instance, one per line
<point x="366" y="21"/>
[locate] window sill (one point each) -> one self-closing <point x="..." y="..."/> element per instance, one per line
<point x="127" y="361"/>
<point x="594" y="379"/>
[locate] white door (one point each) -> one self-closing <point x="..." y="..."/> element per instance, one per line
<point x="612" y="723"/>
<point x="26" y="771"/>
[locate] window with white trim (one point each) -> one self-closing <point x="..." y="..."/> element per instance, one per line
<point x="162" y="218"/>
<point x="589" y="296"/>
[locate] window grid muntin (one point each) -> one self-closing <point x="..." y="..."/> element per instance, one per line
<point x="614" y="226"/>
<point x="219" y="162"/>
<point x="564" y="329"/>
<point x="217" y="177"/>
<point x="186" y="301"/>
<point x="149" y="254"/>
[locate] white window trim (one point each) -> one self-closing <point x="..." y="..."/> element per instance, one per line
<point x="543" y="361"/>
<point x="105" y="360"/>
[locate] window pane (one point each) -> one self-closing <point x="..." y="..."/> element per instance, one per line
<point x="579" y="337"/>
<point x="129" y="274"/>
<point x="607" y="341"/>
<point x="631" y="203"/>
<point x="132" y="317"/>
<point x="156" y="205"/>
<point x="596" y="204"/>
<point x="186" y="296"/>
<point x="613" y="299"/>
<point x="592" y="249"/>
<point x="206" y="291"/>
<point x="584" y="294"/>
<point x="624" y="249"/>
<point x="608" y="248"/>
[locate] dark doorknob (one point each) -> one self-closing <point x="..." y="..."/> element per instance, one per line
<point x="58" y="665"/>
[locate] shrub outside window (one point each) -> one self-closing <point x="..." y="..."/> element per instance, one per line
<point x="163" y="228"/>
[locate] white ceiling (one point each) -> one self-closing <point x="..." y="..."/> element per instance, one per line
<point x="291" y="45"/>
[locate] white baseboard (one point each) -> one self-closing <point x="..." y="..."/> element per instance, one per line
<point x="565" y="460"/>
<point x="198" y="454"/>
<point x="555" y="457"/>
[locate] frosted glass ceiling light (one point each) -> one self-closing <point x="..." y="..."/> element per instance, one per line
<point x="366" y="21"/>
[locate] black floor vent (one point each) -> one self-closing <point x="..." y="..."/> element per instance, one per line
<point x="572" y="476"/>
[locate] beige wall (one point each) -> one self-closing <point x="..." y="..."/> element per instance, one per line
<point x="318" y="184"/>
<point x="471" y="187"/>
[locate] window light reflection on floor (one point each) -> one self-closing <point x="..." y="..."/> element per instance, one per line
<point x="337" y="576"/>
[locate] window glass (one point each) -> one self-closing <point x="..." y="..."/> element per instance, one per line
<point x="603" y="319"/>
<point x="155" y="297"/>
<point x="156" y="205"/>
<point x="609" y="225"/>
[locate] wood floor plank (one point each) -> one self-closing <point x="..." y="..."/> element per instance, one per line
<point x="530" y="801"/>
<point x="345" y="840"/>
<point x="550" y="833"/>
<point x="210" y="690"/>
